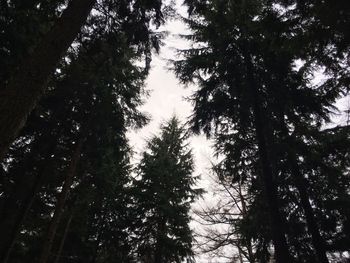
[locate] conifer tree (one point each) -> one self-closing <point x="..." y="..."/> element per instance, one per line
<point x="244" y="64"/>
<point x="164" y="192"/>
<point x="26" y="81"/>
<point x="81" y="120"/>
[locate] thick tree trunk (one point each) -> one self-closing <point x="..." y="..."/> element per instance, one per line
<point x="263" y="135"/>
<point x="61" y="200"/>
<point x="23" y="90"/>
<point x="244" y="212"/>
<point x="312" y="226"/>
<point x="96" y="250"/>
<point x="278" y="227"/>
<point x="301" y="185"/>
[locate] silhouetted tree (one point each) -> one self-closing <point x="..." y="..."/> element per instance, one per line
<point x="82" y="119"/>
<point x="244" y="63"/>
<point x="27" y="81"/>
<point x="164" y="192"/>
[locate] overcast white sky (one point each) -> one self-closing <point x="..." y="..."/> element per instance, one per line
<point x="166" y="99"/>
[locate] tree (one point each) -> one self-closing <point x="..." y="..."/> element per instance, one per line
<point x="24" y="88"/>
<point x="100" y="229"/>
<point x="91" y="102"/>
<point x="236" y="85"/>
<point x="323" y="38"/>
<point x="27" y="80"/>
<point x="164" y="191"/>
<point x="244" y="64"/>
<point x="222" y="235"/>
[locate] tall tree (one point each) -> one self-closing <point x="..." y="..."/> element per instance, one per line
<point x="24" y="88"/>
<point x="164" y="191"/>
<point x="27" y="80"/>
<point x="244" y="63"/>
<point x="238" y="80"/>
<point x="92" y="100"/>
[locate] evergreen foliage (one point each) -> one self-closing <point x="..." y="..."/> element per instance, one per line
<point x="266" y="116"/>
<point x="91" y="102"/>
<point x="267" y="75"/>
<point x="80" y="21"/>
<point x="165" y="190"/>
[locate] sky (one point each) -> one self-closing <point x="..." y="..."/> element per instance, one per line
<point x="167" y="97"/>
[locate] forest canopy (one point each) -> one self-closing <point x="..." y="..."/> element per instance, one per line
<point x="267" y="78"/>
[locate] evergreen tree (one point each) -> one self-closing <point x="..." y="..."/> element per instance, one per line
<point x="27" y="80"/>
<point x="254" y="100"/>
<point x="164" y="192"/>
<point x="323" y="37"/>
<point x="81" y="120"/>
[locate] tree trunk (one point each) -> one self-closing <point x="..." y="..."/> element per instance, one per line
<point x="63" y="239"/>
<point x="14" y="216"/>
<point x="277" y="222"/>
<point x="158" y="253"/>
<point x="312" y="226"/>
<point x="278" y="227"/>
<point x="96" y="250"/>
<point x="26" y="86"/>
<point x="301" y="184"/>
<point x="240" y="256"/>
<point x="244" y="213"/>
<point x="61" y="200"/>
<point x="10" y="233"/>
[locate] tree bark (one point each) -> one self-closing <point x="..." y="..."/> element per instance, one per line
<point x="278" y="227"/>
<point x="26" y="86"/>
<point x="301" y="185"/>
<point x="244" y="213"/>
<point x="270" y="189"/>
<point x="312" y="226"/>
<point x="61" y="200"/>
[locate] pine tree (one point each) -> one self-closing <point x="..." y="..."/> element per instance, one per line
<point x="244" y="64"/>
<point x="164" y="192"/>
<point x="91" y="103"/>
<point x="233" y="82"/>
<point x="27" y="81"/>
<point x="323" y="38"/>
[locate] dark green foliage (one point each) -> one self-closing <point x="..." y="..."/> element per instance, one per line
<point x="266" y="115"/>
<point x="164" y="192"/>
<point x="22" y="24"/>
<point x="92" y="99"/>
<point x="81" y="22"/>
<point x="67" y="193"/>
<point x="64" y="188"/>
<point x="321" y="29"/>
